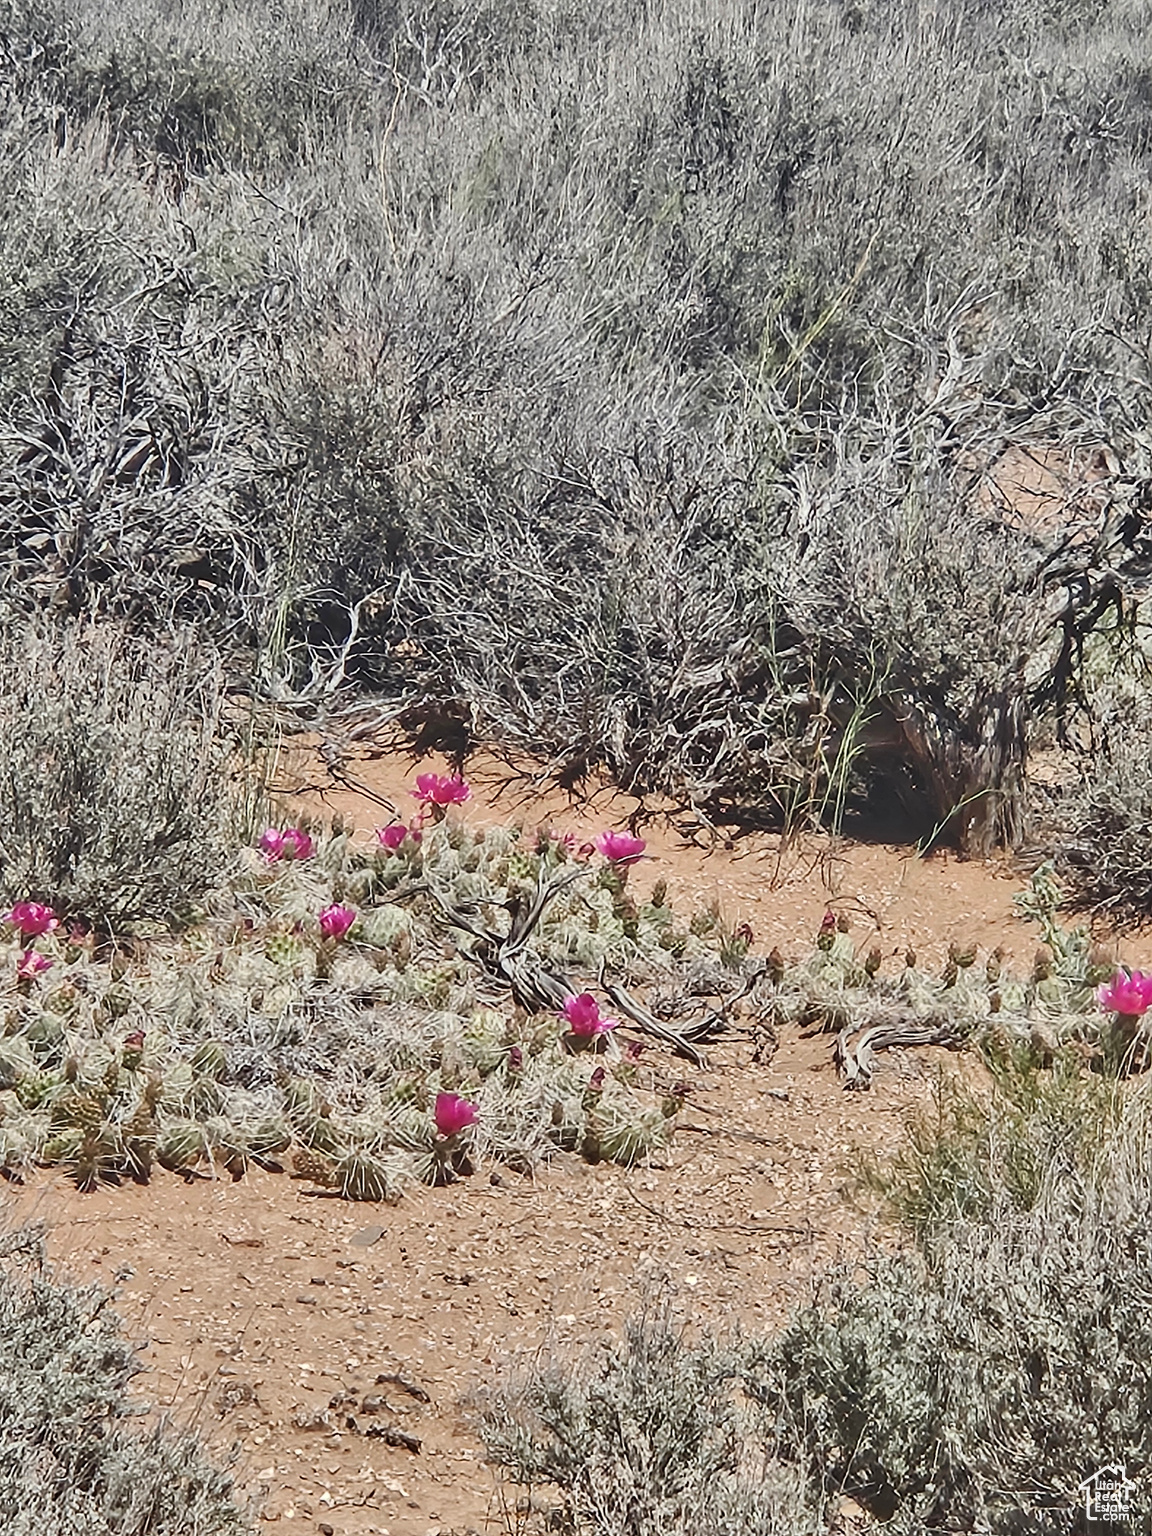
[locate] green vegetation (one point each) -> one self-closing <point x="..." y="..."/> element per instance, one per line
<point x="324" y="1003"/>
<point x="118" y="803"/>
<point x="965" y="1380"/>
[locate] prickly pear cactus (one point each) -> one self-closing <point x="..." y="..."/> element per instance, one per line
<point x="250" y="1040"/>
<point x="362" y="1174"/>
<point x="181" y="1144"/>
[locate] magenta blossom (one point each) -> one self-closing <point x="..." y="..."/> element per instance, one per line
<point x="291" y="843"/>
<point x="441" y="789"/>
<point x="336" y="920"/>
<point x="31" y="964"/>
<point x="620" y="847"/>
<point x="392" y="836"/>
<point x="32" y="918"/>
<point x="584" y="1018"/>
<point x="1127" y="994"/>
<point x="453" y="1114"/>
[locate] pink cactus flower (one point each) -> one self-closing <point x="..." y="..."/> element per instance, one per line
<point x="441" y="789"/>
<point x="31" y="964"/>
<point x="1127" y="994"/>
<point x="32" y="918"/>
<point x="336" y="920"/>
<point x="271" y="844"/>
<point x="620" y="847"/>
<point x="453" y="1114"/>
<point x="391" y="837"/>
<point x="584" y="1018"/>
<point x="291" y="843"/>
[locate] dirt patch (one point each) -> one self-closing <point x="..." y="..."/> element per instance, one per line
<point x="893" y="896"/>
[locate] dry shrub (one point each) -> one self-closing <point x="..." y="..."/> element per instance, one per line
<point x="970" y="1381"/>
<point x="1102" y="814"/>
<point x="649" y="1437"/>
<point x="974" y="1384"/>
<point x="650" y="428"/>
<point x="114" y="784"/>
<point x="68" y="1462"/>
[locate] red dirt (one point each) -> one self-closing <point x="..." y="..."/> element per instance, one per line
<point x="257" y="1304"/>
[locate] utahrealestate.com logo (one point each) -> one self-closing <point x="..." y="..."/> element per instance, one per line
<point x="1109" y="1495"/>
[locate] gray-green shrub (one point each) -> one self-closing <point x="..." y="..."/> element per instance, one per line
<point x="648" y="1437"/>
<point x="974" y="1385"/>
<point x="115" y="795"/>
<point x="626" y="383"/>
<point x="968" y="1381"/>
<point x="70" y="1459"/>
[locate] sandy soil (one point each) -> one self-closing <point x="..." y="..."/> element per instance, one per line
<point x="293" y="1329"/>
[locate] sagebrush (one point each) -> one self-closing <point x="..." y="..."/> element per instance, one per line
<point x="119" y="788"/>
<point x="635" y="387"/>
<point x="71" y="1458"/>
<point x="968" y="1381"/>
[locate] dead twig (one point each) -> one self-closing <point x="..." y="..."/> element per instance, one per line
<point x="644" y="1021"/>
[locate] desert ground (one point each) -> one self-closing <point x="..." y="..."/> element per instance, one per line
<point x="335" y="1349"/>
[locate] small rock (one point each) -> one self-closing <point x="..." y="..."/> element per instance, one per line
<point x="391" y="1379"/>
<point x="319" y="1420"/>
<point x="392" y="1435"/>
